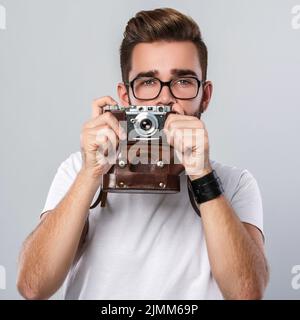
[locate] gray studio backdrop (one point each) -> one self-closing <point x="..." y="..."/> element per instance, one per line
<point x="57" y="56"/>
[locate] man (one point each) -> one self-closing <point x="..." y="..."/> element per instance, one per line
<point x="151" y="246"/>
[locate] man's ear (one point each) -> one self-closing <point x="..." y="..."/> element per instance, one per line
<point x="123" y="94"/>
<point x="206" y="96"/>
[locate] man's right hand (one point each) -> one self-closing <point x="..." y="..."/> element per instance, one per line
<point x="100" y="138"/>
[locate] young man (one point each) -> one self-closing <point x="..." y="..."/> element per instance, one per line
<point x="149" y="246"/>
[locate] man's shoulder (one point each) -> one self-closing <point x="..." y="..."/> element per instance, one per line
<point x="73" y="162"/>
<point x="226" y="171"/>
<point x="231" y="176"/>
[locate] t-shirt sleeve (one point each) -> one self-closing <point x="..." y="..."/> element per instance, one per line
<point x="246" y="200"/>
<point x="63" y="179"/>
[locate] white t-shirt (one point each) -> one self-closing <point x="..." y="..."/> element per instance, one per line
<point x="150" y="246"/>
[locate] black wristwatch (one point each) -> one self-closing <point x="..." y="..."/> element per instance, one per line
<point x="206" y="188"/>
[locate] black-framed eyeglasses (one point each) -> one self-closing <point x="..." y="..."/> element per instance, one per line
<point x="149" y="88"/>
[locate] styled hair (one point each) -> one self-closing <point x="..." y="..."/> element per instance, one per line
<point x="163" y="24"/>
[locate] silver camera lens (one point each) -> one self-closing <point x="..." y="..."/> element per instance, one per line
<point x="146" y="124"/>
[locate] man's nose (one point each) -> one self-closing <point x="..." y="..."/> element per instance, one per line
<point x="165" y="97"/>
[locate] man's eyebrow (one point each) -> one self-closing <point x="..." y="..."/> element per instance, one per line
<point x="183" y="72"/>
<point x="150" y="73"/>
<point x="174" y="72"/>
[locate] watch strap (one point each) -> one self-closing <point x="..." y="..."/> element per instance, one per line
<point x="206" y="188"/>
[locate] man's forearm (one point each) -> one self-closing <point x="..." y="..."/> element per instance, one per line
<point x="49" y="251"/>
<point x="238" y="264"/>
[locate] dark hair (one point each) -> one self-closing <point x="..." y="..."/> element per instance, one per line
<point x="160" y="24"/>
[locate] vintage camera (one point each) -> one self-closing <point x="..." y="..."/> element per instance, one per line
<point x="144" y="126"/>
<point x="143" y="122"/>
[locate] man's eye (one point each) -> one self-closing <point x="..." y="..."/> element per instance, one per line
<point x="149" y="82"/>
<point x="183" y="82"/>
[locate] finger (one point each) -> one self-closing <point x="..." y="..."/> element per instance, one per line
<point x="108" y="143"/>
<point x="182" y="125"/>
<point x="106" y="149"/>
<point x="102" y="160"/>
<point x="176" y="117"/>
<point x="100" y="103"/>
<point x="108" y="119"/>
<point x="178" y="131"/>
<point x="179" y="124"/>
<point x="107" y="152"/>
<point x="106" y="135"/>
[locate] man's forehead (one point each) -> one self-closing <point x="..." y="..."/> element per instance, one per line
<point x="165" y="58"/>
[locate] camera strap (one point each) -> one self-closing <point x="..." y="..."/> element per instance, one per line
<point x="101" y="199"/>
